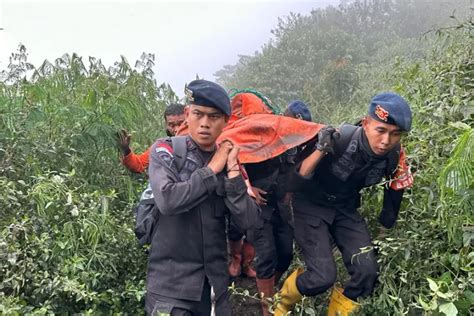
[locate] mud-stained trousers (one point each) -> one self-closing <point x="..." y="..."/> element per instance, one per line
<point x="273" y="241"/>
<point x="312" y="234"/>
<point x="157" y="304"/>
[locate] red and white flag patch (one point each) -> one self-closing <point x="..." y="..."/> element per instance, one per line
<point x="164" y="148"/>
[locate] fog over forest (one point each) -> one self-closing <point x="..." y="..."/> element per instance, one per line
<point x="67" y="242"/>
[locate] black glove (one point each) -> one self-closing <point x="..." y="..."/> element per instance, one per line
<point x="326" y="138"/>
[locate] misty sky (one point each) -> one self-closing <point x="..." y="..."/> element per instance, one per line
<point x="187" y="37"/>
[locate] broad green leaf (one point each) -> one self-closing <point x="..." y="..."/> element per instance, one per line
<point x="449" y="309"/>
<point x="432" y="284"/>
<point x="423" y="304"/>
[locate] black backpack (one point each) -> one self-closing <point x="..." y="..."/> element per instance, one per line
<point x="146" y="212"/>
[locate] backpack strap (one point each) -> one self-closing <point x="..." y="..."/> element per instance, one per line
<point x="180" y="149"/>
<point x="346" y="132"/>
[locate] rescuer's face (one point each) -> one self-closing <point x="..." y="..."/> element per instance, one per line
<point x="382" y="137"/>
<point x="205" y="125"/>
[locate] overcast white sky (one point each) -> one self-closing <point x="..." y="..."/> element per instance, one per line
<point x="187" y="37"/>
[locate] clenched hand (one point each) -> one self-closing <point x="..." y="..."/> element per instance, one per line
<point x="219" y="160"/>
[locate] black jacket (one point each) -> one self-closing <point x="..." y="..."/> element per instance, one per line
<point x="338" y="180"/>
<point x="190" y="240"/>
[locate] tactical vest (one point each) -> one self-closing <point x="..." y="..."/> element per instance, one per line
<point x="340" y="177"/>
<point x="347" y="148"/>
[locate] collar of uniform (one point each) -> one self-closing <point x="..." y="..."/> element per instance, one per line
<point x="190" y="142"/>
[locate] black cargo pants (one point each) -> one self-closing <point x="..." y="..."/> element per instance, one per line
<point x="156" y="305"/>
<point x="272" y="238"/>
<point x="234" y="233"/>
<point x="313" y="235"/>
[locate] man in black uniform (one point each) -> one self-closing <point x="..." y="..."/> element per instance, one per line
<point x="188" y="252"/>
<point x="327" y="196"/>
<point x="273" y="236"/>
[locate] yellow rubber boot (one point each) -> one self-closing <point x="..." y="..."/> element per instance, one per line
<point x="340" y="305"/>
<point x="289" y="294"/>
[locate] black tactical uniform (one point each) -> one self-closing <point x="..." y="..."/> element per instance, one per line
<point x="326" y="201"/>
<point x="325" y="205"/>
<point x="188" y="253"/>
<point x="272" y="237"/>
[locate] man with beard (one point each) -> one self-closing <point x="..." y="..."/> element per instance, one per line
<point x="174" y="118"/>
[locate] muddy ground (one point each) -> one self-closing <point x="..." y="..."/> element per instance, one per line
<point x="242" y="305"/>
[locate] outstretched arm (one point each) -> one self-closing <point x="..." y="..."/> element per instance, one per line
<point x="137" y="162"/>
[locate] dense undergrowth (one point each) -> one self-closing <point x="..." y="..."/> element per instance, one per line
<point x="66" y="242"/>
<point x="66" y="238"/>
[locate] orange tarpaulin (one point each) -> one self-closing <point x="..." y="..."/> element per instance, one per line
<point x="245" y="104"/>
<point x="260" y="134"/>
<point x="264" y="136"/>
<point x="242" y="104"/>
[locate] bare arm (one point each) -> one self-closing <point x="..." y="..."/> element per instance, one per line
<point x="310" y="163"/>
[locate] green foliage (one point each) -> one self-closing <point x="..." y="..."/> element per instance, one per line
<point x="66" y="237"/>
<point x="337" y="59"/>
<point x="458" y="175"/>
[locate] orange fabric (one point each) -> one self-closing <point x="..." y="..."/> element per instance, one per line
<point x="265" y="136"/>
<point x="137" y="163"/>
<point x="182" y="130"/>
<point x="260" y="134"/>
<point x="245" y="104"/>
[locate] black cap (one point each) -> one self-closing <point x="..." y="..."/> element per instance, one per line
<point x="390" y="108"/>
<point x="207" y="93"/>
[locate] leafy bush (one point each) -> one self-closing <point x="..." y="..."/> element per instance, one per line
<point x="426" y="261"/>
<point x="66" y="238"/>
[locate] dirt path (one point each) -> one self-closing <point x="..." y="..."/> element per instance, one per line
<point x="245" y="306"/>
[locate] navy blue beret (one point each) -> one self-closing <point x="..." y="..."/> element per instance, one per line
<point x="207" y="93"/>
<point x="300" y="110"/>
<point x="390" y="108"/>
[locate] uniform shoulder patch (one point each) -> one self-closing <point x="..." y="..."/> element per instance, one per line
<point x="402" y="177"/>
<point x="164" y="151"/>
<point x="164" y="147"/>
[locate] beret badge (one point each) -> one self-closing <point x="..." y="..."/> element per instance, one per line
<point x="189" y="94"/>
<point x="381" y="113"/>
